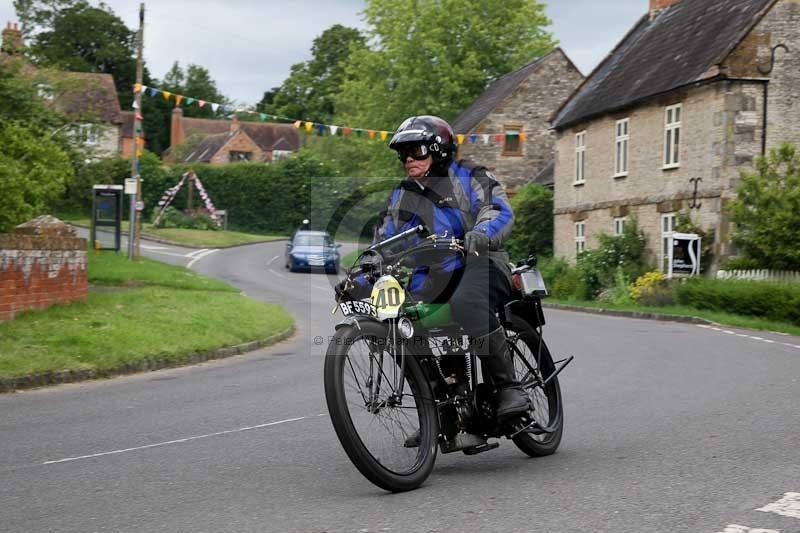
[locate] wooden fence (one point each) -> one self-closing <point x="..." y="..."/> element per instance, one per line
<point x="760" y="275"/>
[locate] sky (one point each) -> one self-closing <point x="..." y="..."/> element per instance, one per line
<point x="249" y="45"/>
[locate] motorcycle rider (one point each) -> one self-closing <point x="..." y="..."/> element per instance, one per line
<point x="462" y="200"/>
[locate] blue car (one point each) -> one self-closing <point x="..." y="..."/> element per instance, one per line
<point x="312" y="250"/>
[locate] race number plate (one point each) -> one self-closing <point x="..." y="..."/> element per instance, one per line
<point x="387" y="297"/>
<point x="356" y="307"/>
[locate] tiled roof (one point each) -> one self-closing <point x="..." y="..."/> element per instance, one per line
<point x="89" y="96"/>
<point x="680" y="46"/>
<point x="208" y="147"/>
<point x="492" y="96"/>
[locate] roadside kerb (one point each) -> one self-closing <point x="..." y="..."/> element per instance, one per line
<point x="44" y="379"/>
<point x="631" y="314"/>
<point x="151" y="238"/>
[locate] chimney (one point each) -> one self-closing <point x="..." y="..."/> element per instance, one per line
<point x="176" y="135"/>
<point x="12" y="39"/>
<point x="235" y="124"/>
<point x="657" y="6"/>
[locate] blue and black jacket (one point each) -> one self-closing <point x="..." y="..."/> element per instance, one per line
<point x="468" y="198"/>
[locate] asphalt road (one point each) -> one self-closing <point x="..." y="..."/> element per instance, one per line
<point x="669" y="428"/>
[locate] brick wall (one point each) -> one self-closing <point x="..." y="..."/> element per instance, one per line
<point x="240" y="143"/>
<point x="41" y="263"/>
<point x="529" y="107"/>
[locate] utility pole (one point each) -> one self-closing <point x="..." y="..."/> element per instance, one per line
<point x="134" y="228"/>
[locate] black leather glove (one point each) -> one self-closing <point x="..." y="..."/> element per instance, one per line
<point x="342" y="290"/>
<point x="476" y="243"/>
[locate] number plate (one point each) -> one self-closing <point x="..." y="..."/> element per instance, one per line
<point x="387" y="297"/>
<point x="357" y="307"/>
<point x="316" y="262"/>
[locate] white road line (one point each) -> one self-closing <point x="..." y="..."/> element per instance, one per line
<point x="273" y="259"/>
<point x="146" y="247"/>
<point x="733" y="528"/>
<point x="789" y="505"/>
<point x="200" y="256"/>
<point x="278" y="274"/>
<point x="751" y="337"/>
<point x="177" y="441"/>
<point x="320" y="288"/>
<point x="196" y="252"/>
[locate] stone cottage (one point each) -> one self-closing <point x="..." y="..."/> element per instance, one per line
<point x="521" y="101"/>
<point x="229" y="141"/>
<point x="690" y="97"/>
<point x="89" y="100"/>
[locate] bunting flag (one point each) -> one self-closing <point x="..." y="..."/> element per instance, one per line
<point x="315" y="127"/>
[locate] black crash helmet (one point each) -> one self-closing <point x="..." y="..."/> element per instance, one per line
<point x="433" y="132"/>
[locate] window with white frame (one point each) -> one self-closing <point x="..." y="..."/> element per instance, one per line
<point x="672" y="135"/>
<point x="619" y="226"/>
<point x="580" y="157"/>
<point x="580" y="237"/>
<point x="89" y="134"/>
<point x="667" y="229"/>
<point x="621" y="147"/>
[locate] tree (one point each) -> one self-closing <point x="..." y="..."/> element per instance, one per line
<point x="436" y="56"/>
<point x="33" y="171"/>
<point x="533" y="222"/>
<point x="310" y="90"/>
<point x="82" y="38"/>
<point x="766" y="212"/>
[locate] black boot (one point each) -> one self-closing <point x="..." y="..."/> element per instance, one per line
<point x="495" y="356"/>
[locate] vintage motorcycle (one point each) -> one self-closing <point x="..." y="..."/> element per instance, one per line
<point x="401" y="381"/>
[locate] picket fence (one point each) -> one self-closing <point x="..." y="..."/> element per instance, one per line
<point x="760" y="275"/>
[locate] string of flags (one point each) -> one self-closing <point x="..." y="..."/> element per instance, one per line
<point x="170" y="194"/>
<point x="315" y="127"/>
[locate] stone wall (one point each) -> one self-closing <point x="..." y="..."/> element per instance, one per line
<point x="752" y="59"/>
<point x="528" y="107"/>
<point x="41" y="263"/>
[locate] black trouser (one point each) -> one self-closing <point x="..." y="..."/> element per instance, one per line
<point x="474" y="293"/>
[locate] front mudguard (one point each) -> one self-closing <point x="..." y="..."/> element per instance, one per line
<point x="357" y="320"/>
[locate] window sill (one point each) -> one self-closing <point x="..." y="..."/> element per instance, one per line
<point x="579" y="183"/>
<point x="671" y="167"/>
<point x="511" y="154"/>
<point x="620" y="176"/>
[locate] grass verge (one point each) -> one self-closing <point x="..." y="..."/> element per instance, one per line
<point x="727" y="319"/>
<point x="135" y="312"/>
<point x="195" y="237"/>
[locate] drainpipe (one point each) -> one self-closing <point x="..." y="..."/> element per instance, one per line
<point x="767" y="72"/>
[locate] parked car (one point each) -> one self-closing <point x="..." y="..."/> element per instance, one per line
<point x="312" y="250"/>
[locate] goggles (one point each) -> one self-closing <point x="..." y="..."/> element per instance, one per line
<point x="418" y="152"/>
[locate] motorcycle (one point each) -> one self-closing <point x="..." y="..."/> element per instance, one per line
<point x="401" y="380"/>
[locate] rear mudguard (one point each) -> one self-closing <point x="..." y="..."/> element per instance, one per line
<point x="530" y="311"/>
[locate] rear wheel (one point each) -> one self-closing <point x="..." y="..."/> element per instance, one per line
<point x="533" y="365"/>
<point x="374" y="409"/>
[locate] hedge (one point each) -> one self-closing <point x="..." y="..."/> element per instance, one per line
<point x="775" y="301"/>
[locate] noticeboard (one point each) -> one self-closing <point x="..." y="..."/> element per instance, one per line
<point x="684" y="255"/>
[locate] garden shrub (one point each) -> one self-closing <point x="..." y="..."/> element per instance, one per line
<point x="774" y="301"/>
<point x="652" y="289"/>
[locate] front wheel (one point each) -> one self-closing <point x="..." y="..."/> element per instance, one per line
<point x="534" y="369"/>
<point x="376" y="410"/>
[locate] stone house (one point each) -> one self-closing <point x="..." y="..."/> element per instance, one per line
<point x="520" y="101"/>
<point x="696" y="89"/>
<point x="88" y="100"/>
<point x="228" y="141"/>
